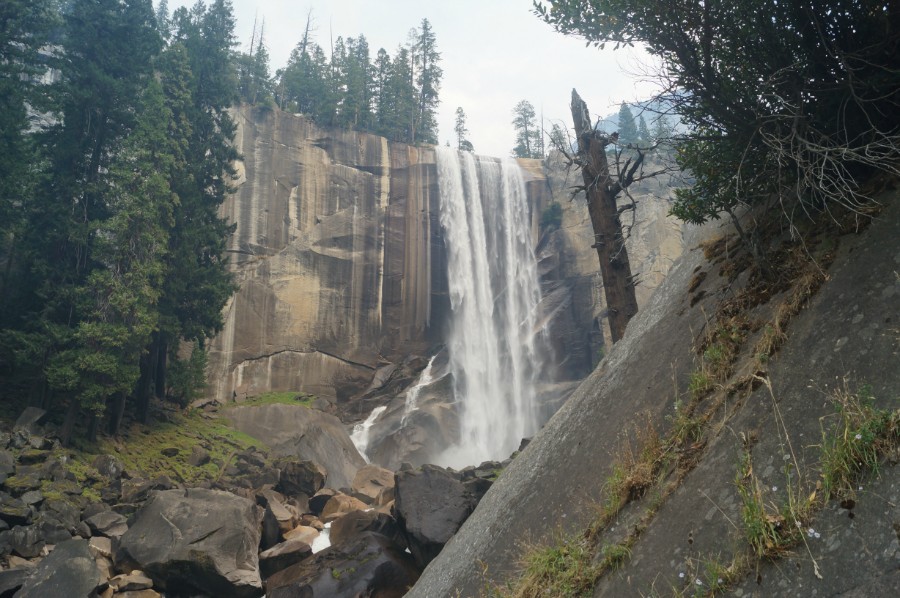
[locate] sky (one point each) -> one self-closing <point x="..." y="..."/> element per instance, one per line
<point x="494" y="53"/>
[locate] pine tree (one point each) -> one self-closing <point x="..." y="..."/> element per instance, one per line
<point x="108" y="47"/>
<point x="628" y="131"/>
<point x="428" y="75"/>
<point x="25" y="28"/>
<point x="460" y="129"/>
<point x="528" y="136"/>
<point x="643" y="131"/>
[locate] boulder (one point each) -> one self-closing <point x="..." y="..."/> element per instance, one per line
<point x="366" y="565"/>
<point x="199" y="456"/>
<point x="7" y="462"/>
<point x="129" y="582"/>
<point x="299" y="477"/>
<point x="27" y="541"/>
<point x="298" y="431"/>
<point x="430" y="505"/>
<point x="13" y="579"/>
<point x="14" y="511"/>
<point x="317" y="503"/>
<point x="29" y="419"/>
<point x="352" y="524"/>
<point x="371" y="480"/>
<point x="282" y="556"/>
<point x="108" y="523"/>
<point x="100" y="546"/>
<point x="195" y="540"/>
<point x="68" y="571"/>
<point x="339" y="504"/>
<point x="109" y="466"/>
<point x="302" y="533"/>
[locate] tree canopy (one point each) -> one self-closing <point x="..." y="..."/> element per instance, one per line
<point x="784" y="102"/>
<point x="115" y="257"/>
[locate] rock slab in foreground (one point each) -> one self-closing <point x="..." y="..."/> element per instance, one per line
<point x="196" y="540"/>
<point x="68" y="571"/>
<point x="367" y="565"/>
<point x="430" y="505"/>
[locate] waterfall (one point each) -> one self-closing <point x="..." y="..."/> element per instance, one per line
<point x="412" y="395"/>
<point x="360" y="436"/>
<point x="494" y="295"/>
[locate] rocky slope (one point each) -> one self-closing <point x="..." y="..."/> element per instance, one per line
<point x="731" y="386"/>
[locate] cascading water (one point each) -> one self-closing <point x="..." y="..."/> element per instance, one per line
<point x="412" y="395"/>
<point x="494" y="295"/>
<point x="360" y="435"/>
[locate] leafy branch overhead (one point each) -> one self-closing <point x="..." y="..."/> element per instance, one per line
<point x="783" y="105"/>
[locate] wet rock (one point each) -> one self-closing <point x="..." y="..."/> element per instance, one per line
<point x="108" y="523"/>
<point x="282" y="556"/>
<point x="317" y="503"/>
<point x="371" y="480"/>
<point x="431" y="504"/>
<point x="303" y="533"/>
<point x="339" y="504"/>
<point x="357" y="522"/>
<point x="68" y="571"/>
<point x="196" y="540"/>
<point x="139" y="594"/>
<point x="367" y="565"/>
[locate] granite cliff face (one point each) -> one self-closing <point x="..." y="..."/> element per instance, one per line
<point x="339" y="256"/>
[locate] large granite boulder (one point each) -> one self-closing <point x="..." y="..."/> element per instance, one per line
<point x="69" y="570"/>
<point x="196" y="540"/>
<point x="370" y="481"/>
<point x="298" y="431"/>
<point x="282" y="556"/>
<point x="367" y="565"/>
<point x="431" y="504"/>
<point x="356" y="522"/>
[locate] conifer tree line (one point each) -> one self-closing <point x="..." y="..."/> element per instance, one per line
<point x="343" y="85"/>
<point x="112" y="275"/>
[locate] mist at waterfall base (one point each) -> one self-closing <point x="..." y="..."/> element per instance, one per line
<point x="494" y="344"/>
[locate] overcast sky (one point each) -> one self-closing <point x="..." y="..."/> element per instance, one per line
<point x="494" y="53"/>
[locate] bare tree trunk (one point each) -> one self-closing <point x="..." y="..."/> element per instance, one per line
<point x="609" y="241"/>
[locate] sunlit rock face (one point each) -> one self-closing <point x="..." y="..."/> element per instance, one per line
<point x="339" y="254"/>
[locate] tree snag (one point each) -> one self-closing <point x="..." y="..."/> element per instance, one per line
<point x="601" y="191"/>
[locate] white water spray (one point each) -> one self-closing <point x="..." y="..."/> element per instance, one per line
<point x="360" y="435"/>
<point x="412" y="395"/>
<point x="494" y="295"/>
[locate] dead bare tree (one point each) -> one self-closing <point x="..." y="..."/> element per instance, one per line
<point x="602" y="187"/>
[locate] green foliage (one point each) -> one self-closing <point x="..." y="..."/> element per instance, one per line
<point x="394" y="97"/>
<point x="628" y="131"/>
<point x="551" y="217"/>
<point x="116" y="246"/>
<point x="563" y="569"/>
<point x="798" y="103"/>
<point x="854" y="443"/>
<point x="282" y="398"/>
<point x="461" y="131"/>
<point x="529" y="140"/>
<point x="187" y="377"/>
